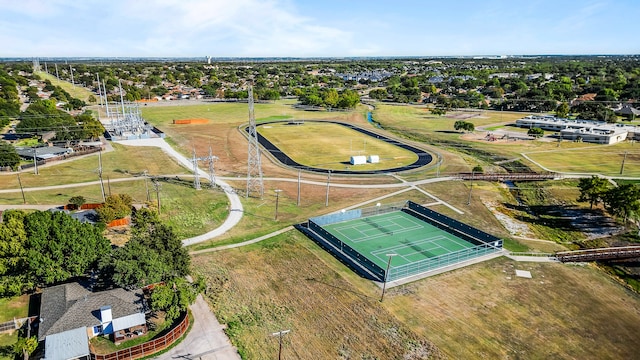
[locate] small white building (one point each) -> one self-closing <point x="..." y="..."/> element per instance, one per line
<point x="373" y="159"/>
<point x="358" y="160"/>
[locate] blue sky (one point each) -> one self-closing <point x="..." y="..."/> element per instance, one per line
<point x="327" y="28"/>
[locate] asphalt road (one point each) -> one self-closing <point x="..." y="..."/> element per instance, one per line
<point x="206" y="340"/>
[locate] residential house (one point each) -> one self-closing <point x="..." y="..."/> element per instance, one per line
<point x="70" y="315"/>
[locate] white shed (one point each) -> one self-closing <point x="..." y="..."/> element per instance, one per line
<point x="374" y="159"/>
<point x="358" y="160"/>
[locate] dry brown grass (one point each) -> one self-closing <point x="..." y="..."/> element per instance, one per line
<point x="484" y="311"/>
<point x="283" y="284"/>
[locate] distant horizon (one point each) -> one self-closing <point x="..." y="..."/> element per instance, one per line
<point x="315" y="29"/>
<point x="370" y="57"/>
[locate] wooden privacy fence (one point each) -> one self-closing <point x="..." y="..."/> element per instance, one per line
<point x="150" y="347"/>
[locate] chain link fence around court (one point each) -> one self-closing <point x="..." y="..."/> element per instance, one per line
<point x="347" y="215"/>
<point x="485" y="244"/>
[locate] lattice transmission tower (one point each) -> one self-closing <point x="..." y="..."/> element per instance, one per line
<point x="254" y="165"/>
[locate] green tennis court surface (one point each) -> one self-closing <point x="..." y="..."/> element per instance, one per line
<point x="398" y="233"/>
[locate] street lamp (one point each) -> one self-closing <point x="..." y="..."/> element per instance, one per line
<point x="277" y="198"/>
<point x="470" y="189"/>
<point x="279" y="334"/>
<point x="386" y="275"/>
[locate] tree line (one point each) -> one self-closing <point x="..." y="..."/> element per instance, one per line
<point x="43" y="248"/>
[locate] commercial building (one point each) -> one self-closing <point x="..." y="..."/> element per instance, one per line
<point x="598" y="132"/>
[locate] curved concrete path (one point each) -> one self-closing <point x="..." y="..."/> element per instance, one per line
<point x="235" y="210"/>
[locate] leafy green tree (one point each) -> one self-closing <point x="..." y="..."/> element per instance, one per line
<point x="331" y="98"/>
<point x="13" y="256"/>
<point x="25" y="346"/>
<point x="593" y="189"/>
<point x="116" y="206"/>
<point x="536" y="132"/>
<point x="438" y="111"/>
<point x="8" y="155"/>
<point x="60" y="247"/>
<point x="174" y="297"/>
<point x="463" y="125"/>
<point x="478" y="169"/>
<point x="77" y="201"/>
<point x="623" y="201"/>
<point x="153" y="254"/>
<point x="562" y="110"/>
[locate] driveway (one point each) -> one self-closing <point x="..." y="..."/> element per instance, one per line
<point x="206" y="340"/>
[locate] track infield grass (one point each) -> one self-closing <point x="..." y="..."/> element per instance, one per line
<point x="330" y="146"/>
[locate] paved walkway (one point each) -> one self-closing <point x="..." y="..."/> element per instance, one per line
<point x="206" y="340"/>
<point x="236" y="210"/>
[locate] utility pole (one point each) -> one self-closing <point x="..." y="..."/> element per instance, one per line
<point x="146" y="185"/>
<point x="278" y="191"/>
<point x="35" y="162"/>
<point x="157" y="186"/>
<point x="24" y="200"/>
<point x="623" y="160"/>
<point x="57" y="76"/>
<point x="100" y="174"/>
<point x="326" y="202"/>
<point x="109" y="185"/>
<point x="71" y="71"/>
<point x="212" y="171"/>
<point x="279" y="334"/>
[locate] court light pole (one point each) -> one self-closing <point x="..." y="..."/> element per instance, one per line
<point x="470" y="188"/>
<point x="386" y="275"/>
<point x="279" y="334"/>
<point x="277" y="198"/>
<point x="326" y="202"/>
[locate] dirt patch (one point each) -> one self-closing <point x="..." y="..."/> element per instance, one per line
<point x="513" y="226"/>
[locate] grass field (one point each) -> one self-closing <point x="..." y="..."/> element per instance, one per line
<point x="123" y="162"/>
<point x="481" y="311"/>
<point x="16" y="307"/>
<point x="330" y="146"/>
<point x="77" y="91"/>
<point x="467" y="150"/>
<point x="222" y="134"/>
<point x="605" y="160"/>
<point x="282" y="284"/>
<point x="191" y="212"/>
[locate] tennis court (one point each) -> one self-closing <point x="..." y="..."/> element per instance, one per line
<point x="410" y="238"/>
<point x="420" y="239"/>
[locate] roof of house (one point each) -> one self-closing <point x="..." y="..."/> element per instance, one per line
<point x="628" y="110"/>
<point x="70" y="344"/>
<point x="69" y="306"/>
<point x="43" y="152"/>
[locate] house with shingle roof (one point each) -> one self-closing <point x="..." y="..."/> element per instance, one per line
<point x="70" y="315"/>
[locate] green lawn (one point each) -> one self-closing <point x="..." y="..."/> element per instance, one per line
<point x="236" y="113"/>
<point x="16" y="307"/>
<point x="416" y="123"/>
<point x="606" y="160"/>
<point x="191" y="212"/>
<point x="330" y="146"/>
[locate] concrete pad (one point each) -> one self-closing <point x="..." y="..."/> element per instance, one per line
<point x="523" y="273"/>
